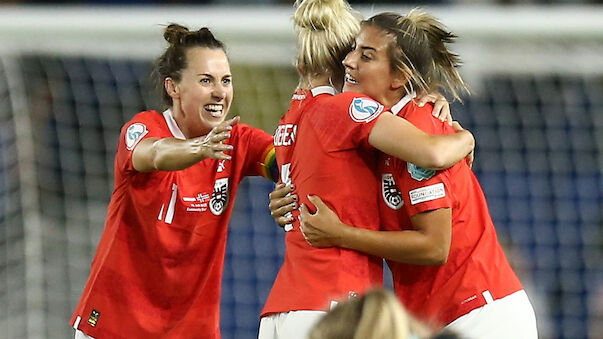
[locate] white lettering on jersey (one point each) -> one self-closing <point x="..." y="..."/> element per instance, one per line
<point x="285" y="135"/>
<point x="427" y="193"/>
<point x="390" y="192"/>
<point x="219" y="198"/>
<point x="134" y="134"/>
<point x="286" y="179"/>
<point x="364" y="109"/>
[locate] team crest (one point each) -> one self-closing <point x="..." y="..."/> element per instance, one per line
<point x="219" y="198"/>
<point x="419" y="173"/>
<point x="134" y="134"/>
<point x="364" y="109"/>
<point x="391" y="193"/>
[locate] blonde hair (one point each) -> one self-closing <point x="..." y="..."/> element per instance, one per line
<point x="419" y="51"/>
<point x="326" y="30"/>
<point x="376" y="315"/>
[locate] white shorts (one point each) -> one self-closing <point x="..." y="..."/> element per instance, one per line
<point x="508" y="317"/>
<point x="81" y="335"/>
<point x="289" y="325"/>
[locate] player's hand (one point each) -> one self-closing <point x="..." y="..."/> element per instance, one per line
<point x="282" y="203"/>
<point x="470" y="157"/>
<point x="321" y="229"/>
<point x="441" y="107"/>
<point x="211" y="145"/>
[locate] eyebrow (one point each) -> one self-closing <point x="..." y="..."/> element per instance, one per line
<point x="211" y="76"/>
<point x="364" y="48"/>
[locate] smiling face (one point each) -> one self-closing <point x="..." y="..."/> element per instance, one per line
<point x="368" y="69"/>
<point x="204" y="93"/>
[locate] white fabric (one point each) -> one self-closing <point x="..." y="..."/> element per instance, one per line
<point x="508" y="317"/>
<point x="81" y="335"/>
<point x="289" y="325"/>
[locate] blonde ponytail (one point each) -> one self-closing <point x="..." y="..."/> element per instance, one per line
<point x="325" y="33"/>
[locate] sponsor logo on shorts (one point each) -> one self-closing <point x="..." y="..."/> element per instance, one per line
<point x="364" y="109"/>
<point x="93" y="318"/>
<point x="427" y="193"/>
<point x="134" y="134"/>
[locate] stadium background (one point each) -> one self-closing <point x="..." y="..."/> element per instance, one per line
<point x="71" y="75"/>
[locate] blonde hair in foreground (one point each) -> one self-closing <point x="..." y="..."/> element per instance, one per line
<point x="376" y="315"/>
<point x="326" y="30"/>
<point x="419" y="50"/>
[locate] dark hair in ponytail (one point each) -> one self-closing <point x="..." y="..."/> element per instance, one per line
<point x="173" y="60"/>
<point x="418" y="50"/>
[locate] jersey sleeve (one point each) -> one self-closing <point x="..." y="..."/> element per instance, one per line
<point x="422" y="189"/>
<point x="345" y="121"/>
<point x="143" y="125"/>
<point x="260" y="158"/>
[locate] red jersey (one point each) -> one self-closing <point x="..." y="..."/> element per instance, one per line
<point x="477" y="269"/>
<point x="158" y="267"/>
<point x="322" y="148"/>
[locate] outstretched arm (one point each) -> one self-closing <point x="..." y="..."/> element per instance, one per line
<point x="428" y="243"/>
<point x="171" y="154"/>
<point x="398" y="137"/>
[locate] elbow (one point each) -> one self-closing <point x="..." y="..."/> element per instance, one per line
<point x="438" y="256"/>
<point x="435" y="160"/>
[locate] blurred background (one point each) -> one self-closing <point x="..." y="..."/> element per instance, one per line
<point x="72" y="72"/>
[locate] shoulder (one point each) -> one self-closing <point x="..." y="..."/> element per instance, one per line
<point x="422" y="118"/>
<point x="146" y="118"/>
<point x="360" y="107"/>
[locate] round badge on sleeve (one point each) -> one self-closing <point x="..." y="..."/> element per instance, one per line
<point x="134" y="134"/>
<point x="364" y="109"/>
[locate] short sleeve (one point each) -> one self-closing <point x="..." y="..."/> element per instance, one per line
<point x="143" y="125"/>
<point x="424" y="190"/>
<point x="345" y="121"/>
<point x="260" y="158"/>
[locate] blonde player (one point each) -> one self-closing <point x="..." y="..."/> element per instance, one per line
<point x="448" y="267"/>
<point x="326" y="144"/>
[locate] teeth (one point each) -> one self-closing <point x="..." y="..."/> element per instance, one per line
<point x="213" y="108"/>
<point x="350" y="79"/>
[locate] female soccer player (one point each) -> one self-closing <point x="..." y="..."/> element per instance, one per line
<point x="326" y="145"/>
<point x="438" y="236"/>
<point x="158" y="266"/>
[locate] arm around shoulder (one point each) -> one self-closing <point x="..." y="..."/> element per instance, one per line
<point x="398" y="137"/>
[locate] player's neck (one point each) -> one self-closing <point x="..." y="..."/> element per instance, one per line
<point x="309" y="82"/>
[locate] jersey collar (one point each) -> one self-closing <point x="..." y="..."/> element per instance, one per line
<point x="322" y="90"/>
<point x="400" y="104"/>
<point x="172" y="125"/>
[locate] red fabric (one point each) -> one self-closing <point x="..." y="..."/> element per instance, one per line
<point x="153" y="277"/>
<point x="329" y="156"/>
<point x="476" y="261"/>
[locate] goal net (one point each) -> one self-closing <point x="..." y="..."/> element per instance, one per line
<point x="70" y="77"/>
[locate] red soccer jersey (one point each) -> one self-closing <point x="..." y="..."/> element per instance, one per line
<point x="322" y="148"/>
<point x="158" y="267"/>
<point x="477" y="269"/>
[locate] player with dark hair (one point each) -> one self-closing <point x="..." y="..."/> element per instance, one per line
<point x="158" y="267"/>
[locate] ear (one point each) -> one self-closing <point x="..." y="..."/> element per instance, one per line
<point x="398" y="81"/>
<point x="172" y="88"/>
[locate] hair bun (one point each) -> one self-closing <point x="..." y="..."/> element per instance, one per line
<point x="175" y="34"/>
<point x="318" y="15"/>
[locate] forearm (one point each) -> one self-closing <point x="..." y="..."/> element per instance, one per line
<point x="166" y="154"/>
<point x="170" y="154"/>
<point x="409" y="246"/>
<point x="398" y="137"/>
